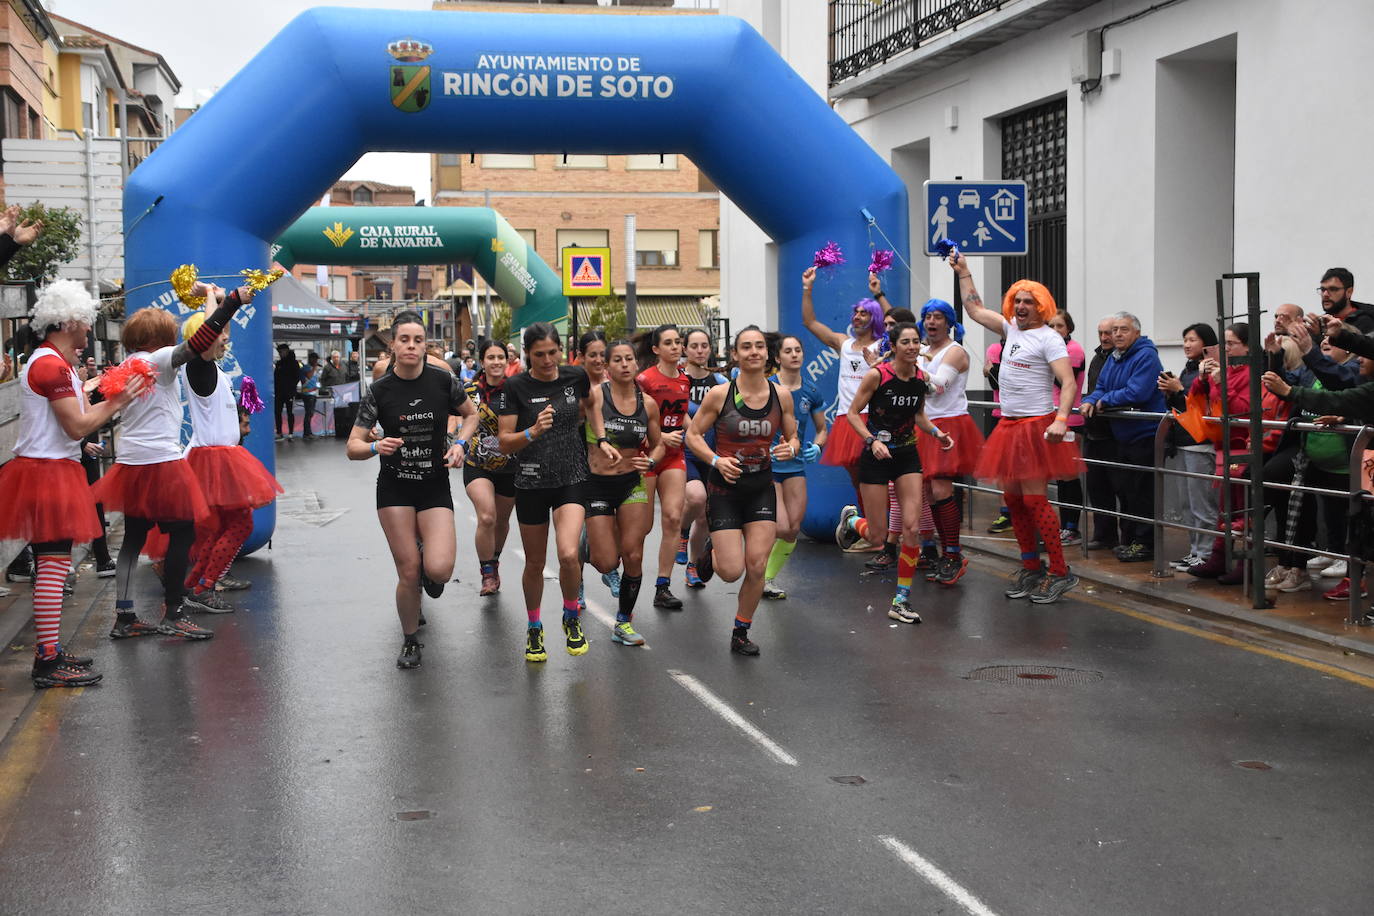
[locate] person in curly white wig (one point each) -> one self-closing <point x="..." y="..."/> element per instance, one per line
<point x="47" y="502"/>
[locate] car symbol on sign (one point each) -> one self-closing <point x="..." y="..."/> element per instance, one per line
<point x="968" y="197"/>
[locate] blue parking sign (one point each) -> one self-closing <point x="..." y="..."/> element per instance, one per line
<point x="984" y="218"/>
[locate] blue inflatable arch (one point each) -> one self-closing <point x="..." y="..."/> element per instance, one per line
<point x="337" y="83"/>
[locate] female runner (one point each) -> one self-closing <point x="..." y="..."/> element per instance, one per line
<point x="413" y="403"/>
<point x="944" y="362"/>
<point x="667" y="385"/>
<point x="151" y="483"/>
<point x="789" y="476"/>
<point x="621" y="425"/>
<point x="47" y="503"/>
<point x="592" y="348"/>
<point x="893" y="394"/>
<point x="489" y="474"/>
<point x="857" y="350"/>
<point x="741" y="501"/>
<point x="700" y="380"/>
<point x="541" y="412"/>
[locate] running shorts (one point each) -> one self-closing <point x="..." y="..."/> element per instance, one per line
<point x="673" y="460"/>
<point x="903" y="461"/>
<point x="418" y="494"/>
<point x="604" y="494"/>
<point x="732" y="506"/>
<point x="534" y="507"/>
<point x="504" y="483"/>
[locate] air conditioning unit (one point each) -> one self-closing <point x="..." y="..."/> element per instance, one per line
<point x="1085" y="56"/>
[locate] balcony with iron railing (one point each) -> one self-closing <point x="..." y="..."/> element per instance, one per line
<point x="875" y="46"/>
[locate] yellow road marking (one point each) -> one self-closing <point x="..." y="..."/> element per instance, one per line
<point x="28" y="751"/>
<point x="1231" y="641"/>
<point x="420" y="76"/>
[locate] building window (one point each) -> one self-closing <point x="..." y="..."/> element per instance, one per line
<point x="652" y="162"/>
<point x="656" y="248"/>
<point x="708" y="248"/>
<point x="579" y="162"/>
<point x="584" y="238"/>
<point x="448" y="159"/>
<point x="362" y="197"/>
<point x="507" y="161"/>
<point x="338" y="288"/>
<point x="528" y="235"/>
<point x="1035" y="150"/>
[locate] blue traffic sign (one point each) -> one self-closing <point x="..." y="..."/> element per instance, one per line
<point x="984" y="218"/>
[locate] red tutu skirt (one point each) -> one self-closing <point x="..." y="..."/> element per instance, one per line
<point x="843" y="446"/>
<point x="957" y="461"/>
<point x="1018" y="450"/>
<point x="46" y="499"/>
<point x="231" y="477"/>
<point x="164" y="492"/>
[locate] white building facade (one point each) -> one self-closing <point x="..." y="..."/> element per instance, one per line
<point x="1164" y="143"/>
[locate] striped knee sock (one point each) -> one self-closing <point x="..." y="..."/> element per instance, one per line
<point x="47" y="602"/>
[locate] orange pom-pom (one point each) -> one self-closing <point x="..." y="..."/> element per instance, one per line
<point x="114" y="380"/>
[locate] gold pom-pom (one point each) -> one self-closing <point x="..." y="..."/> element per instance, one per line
<point x="259" y="280"/>
<point x="183" y="281"/>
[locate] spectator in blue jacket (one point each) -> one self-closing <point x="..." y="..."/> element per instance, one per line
<point x="1130" y="381"/>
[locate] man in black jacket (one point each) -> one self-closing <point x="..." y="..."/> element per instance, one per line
<point x="1099" y="444"/>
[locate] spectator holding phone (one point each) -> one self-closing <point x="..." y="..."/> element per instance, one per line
<point x="1192" y="455"/>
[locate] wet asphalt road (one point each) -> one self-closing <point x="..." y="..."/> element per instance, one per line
<point x="287" y="766"/>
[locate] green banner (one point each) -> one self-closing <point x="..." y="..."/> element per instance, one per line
<point x="386" y="236"/>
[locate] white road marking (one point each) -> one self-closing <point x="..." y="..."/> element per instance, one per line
<point x="928" y="870"/>
<point x="726" y="712"/>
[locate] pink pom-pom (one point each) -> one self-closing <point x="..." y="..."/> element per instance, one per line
<point x="249" y="399"/>
<point x="114" y="380"/>
<point x="882" y="260"/>
<point x="828" y="256"/>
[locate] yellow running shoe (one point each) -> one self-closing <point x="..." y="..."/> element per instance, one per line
<point x="534" y="645"/>
<point x="577" y="643"/>
<point x="625" y="634"/>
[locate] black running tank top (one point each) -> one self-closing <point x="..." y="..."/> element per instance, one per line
<point x="623" y="430"/>
<point x="746" y="434"/>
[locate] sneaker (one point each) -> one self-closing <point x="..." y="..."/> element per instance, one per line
<point x="105" y="570"/>
<point x="901" y="610"/>
<point x="577" y="642"/>
<point x="182" y="627"/>
<point x="131" y="628"/>
<point x="772" y="592"/>
<point x="1135" y="553"/>
<point x="1024" y="581"/>
<point x="69" y="585"/>
<point x="1317" y="564"/>
<point x="432" y="589"/>
<point x="952" y="568"/>
<point x="279" y="438"/>
<point x="1050" y="588"/>
<point x="681" y="558"/>
<point x="1182" y="564"/>
<point x="694" y="580"/>
<point x="1000" y="525"/>
<point x="929" y="557"/>
<point x="665" y="599"/>
<point x="207" y="602"/>
<point x="54" y="672"/>
<point x="741" y="644"/>
<point x="1275" y="576"/>
<point x="625" y="634"/>
<point x="1342" y="592"/>
<point x="1070" y="537"/>
<point x="491" y="584"/>
<point x="230" y="584"/>
<point x="845" y="535"/>
<point x="706" y="563"/>
<point x="1338" y="570"/>
<point x="410" y="655"/>
<point x="882" y="562"/>
<point x="77" y="661"/>
<point x="20" y="575"/>
<point x="534" y="645"/>
<point x="612" y="580"/>
<point x="1297" y="580"/>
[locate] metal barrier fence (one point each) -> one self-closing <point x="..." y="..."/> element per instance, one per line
<point x="1252" y="515"/>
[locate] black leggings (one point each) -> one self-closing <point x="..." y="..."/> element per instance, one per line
<point x="284" y="402"/>
<point x="174" y="567"/>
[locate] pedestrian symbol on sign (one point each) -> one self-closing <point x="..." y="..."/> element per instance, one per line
<point x="586" y="273"/>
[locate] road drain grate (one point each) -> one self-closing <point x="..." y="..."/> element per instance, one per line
<point x="1034" y="675"/>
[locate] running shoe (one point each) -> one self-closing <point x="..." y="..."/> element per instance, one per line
<point x="230" y="584"/>
<point x="929" y="558"/>
<point x="182" y="627"/>
<point x="1051" y="588"/>
<point x="410" y="655"/>
<point x="952" y="568"/>
<point x="432" y="589"/>
<point x="612" y="580"/>
<point x="681" y="558"/>
<point x="54" y="672"/>
<point x="1135" y="553"/>
<point x="577" y="642"/>
<point x="79" y="661"/>
<point x="128" y="629"/>
<point x="491" y="584"/>
<point x="845" y="535"/>
<point x="534" y="645"/>
<point x="1183" y="564"/>
<point x="706" y="563"/>
<point x="207" y="602"/>
<point x="741" y="644"/>
<point x="1024" y="581"/>
<point x="1342" y="592"/>
<point x="625" y="634"/>
<point x="1338" y="570"/>
<point x="665" y="599"/>
<point x="694" y="580"/>
<point x="1319" y="563"/>
<point x="882" y="562"/>
<point x="69" y="585"/>
<point x="772" y="592"/>
<point x="23" y="572"/>
<point x="901" y="610"/>
<point x="1000" y="525"/>
<point x="1070" y="537"/>
<point x="105" y="570"/>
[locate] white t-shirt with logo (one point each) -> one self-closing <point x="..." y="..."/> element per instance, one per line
<point x="1026" y="381"/>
